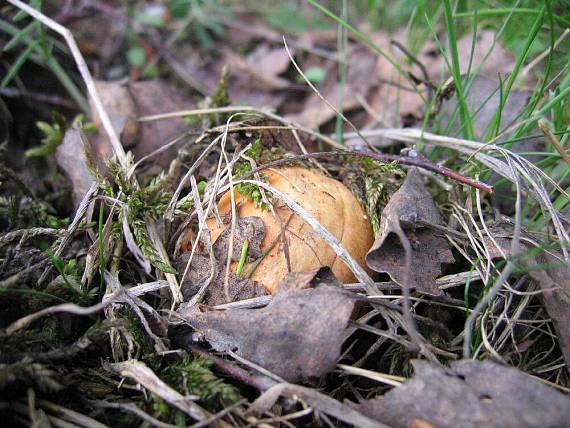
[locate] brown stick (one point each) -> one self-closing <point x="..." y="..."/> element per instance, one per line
<point x="420" y="161"/>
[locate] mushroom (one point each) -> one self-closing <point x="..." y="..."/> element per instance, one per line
<point x="326" y="199"/>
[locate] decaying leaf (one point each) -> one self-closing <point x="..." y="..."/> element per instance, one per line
<point x="391" y="97"/>
<point x="248" y="231"/>
<point x="246" y="85"/>
<point x="155" y="97"/>
<point x="269" y="61"/>
<point x="361" y="65"/>
<point x="199" y="274"/>
<point x="483" y="98"/>
<point x="200" y="271"/>
<point x="125" y="103"/>
<point x="554" y="281"/>
<point x="469" y="394"/>
<point x="301" y="280"/>
<point x="297" y="336"/>
<point x="71" y="158"/>
<point x="410" y="204"/>
<point x="119" y="103"/>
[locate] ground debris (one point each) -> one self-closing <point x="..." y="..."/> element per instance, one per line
<point x="549" y="270"/>
<point x="200" y="271"/>
<point x="297" y="336"/>
<point x="469" y="394"/>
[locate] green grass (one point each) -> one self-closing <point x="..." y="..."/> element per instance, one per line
<point x="526" y="29"/>
<point x="466" y="119"/>
<point x="37" y="46"/>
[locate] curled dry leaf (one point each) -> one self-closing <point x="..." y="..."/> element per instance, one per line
<point x="410" y="204"/>
<point x="328" y="200"/>
<point x="297" y="336"/>
<point x="470" y="394"/>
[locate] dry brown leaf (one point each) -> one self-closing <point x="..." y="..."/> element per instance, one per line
<point x="199" y="273"/>
<point x="250" y="229"/>
<point x="71" y="158"/>
<point x="301" y="280"/>
<point x="410" y="204"/>
<point x="200" y="270"/>
<point x="396" y="101"/>
<point x="126" y="103"/>
<point x="120" y="105"/>
<point x="483" y="99"/>
<point x="297" y="336"/>
<point x="245" y="86"/>
<point x="360" y="79"/>
<point x="470" y="394"/>
<point x="269" y="61"/>
<point x="489" y="57"/>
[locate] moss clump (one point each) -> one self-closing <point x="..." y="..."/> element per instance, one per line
<point x="381" y="180"/>
<point x="194" y="376"/>
<point x="242" y="168"/>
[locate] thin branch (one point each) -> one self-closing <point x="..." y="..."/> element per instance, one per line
<point x="419" y="161"/>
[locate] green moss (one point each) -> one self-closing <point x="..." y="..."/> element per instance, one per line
<point x="250" y="190"/>
<point x="381" y="180"/>
<point x="54" y="133"/>
<point x="142" y="204"/>
<point x="194" y="375"/>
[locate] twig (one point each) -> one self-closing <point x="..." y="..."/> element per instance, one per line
<point x="421" y="66"/>
<point x="65" y="307"/>
<point x="379" y="377"/>
<point x="197" y="112"/>
<point x="25" y="234"/>
<point x="419" y="161"/>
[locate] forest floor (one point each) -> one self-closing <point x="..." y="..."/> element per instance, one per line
<point x="238" y="213"/>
